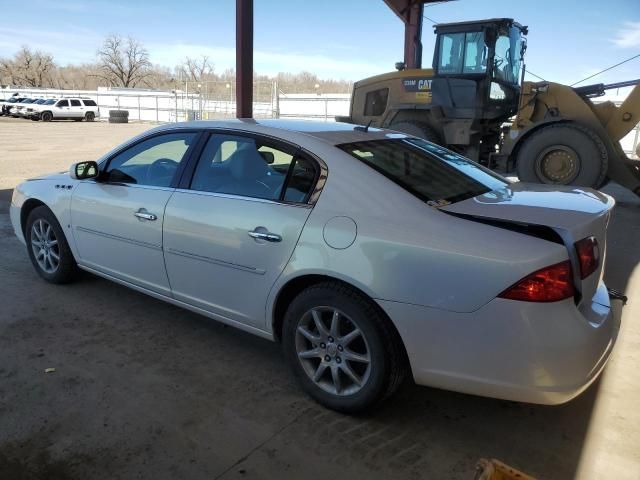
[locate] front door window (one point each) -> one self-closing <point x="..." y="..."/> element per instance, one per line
<point x="151" y="162"/>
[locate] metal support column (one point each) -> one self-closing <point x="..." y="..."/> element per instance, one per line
<point x="411" y="13"/>
<point x="244" y="58"/>
<point x="413" y="36"/>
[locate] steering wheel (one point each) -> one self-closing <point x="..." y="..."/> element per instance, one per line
<point x="163" y="167"/>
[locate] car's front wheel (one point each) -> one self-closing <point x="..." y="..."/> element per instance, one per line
<point x="342" y="348"/>
<point x="47" y="116"/>
<point x="48" y="248"/>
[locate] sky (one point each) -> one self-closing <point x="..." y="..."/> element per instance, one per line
<point x="346" y="39"/>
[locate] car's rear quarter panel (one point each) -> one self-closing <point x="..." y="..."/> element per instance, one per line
<point x="406" y="251"/>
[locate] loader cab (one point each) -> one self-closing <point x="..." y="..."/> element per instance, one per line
<point x="477" y="69"/>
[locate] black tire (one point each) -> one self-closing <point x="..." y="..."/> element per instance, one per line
<point x="119" y="113"/>
<point x="417" y="129"/>
<point x="46" y="116"/>
<point x="67" y="267"/>
<point x="90" y="116"/>
<point x="581" y="147"/>
<point x="118" y="120"/>
<point x="387" y="366"/>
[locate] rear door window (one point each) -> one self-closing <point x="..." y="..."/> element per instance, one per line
<point x="75" y="103"/>
<point x="253" y="167"/>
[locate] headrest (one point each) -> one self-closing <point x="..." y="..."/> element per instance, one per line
<point x="268" y="157"/>
<point x="246" y="163"/>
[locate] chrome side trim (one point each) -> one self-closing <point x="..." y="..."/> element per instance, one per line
<point x="240" y="197"/>
<point x="129" y="185"/>
<point x="122" y="239"/>
<point x="215" y="261"/>
<point x="187" y="306"/>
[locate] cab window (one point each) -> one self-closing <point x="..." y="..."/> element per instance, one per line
<point x="376" y="102"/>
<point x="462" y="53"/>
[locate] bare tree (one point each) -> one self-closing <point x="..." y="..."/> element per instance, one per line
<point x="123" y="62"/>
<point x="196" y="69"/>
<point x="28" y="68"/>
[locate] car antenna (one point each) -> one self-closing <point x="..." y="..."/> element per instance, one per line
<point x="364" y="129"/>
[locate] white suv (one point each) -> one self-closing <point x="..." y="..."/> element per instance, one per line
<point x="68" y="108"/>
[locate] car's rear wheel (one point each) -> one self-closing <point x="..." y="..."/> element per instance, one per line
<point x="342" y="348"/>
<point x="48" y="248"/>
<point x="47" y="116"/>
<point x="90" y="116"/>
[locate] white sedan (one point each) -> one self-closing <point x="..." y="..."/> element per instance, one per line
<point x="370" y="255"/>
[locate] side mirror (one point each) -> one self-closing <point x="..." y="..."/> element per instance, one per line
<point x="84" y="170"/>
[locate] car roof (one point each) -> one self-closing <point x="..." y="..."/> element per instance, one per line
<point x="333" y="133"/>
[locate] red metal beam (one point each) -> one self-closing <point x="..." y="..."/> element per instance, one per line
<point x="244" y="58"/>
<point x="411" y="13"/>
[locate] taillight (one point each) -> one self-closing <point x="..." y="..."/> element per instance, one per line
<point x="588" y="255"/>
<point x="549" y="284"/>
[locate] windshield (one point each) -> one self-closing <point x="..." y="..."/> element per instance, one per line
<point x="49" y="102"/>
<point x="506" y="63"/>
<point x="40" y="101"/>
<point x="430" y="172"/>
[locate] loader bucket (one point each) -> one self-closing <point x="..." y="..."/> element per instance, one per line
<point x="496" y="470"/>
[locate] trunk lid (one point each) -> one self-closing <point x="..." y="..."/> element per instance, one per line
<point x="573" y="213"/>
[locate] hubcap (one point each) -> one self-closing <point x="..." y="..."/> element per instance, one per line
<point x="558" y="164"/>
<point x="333" y="351"/>
<point x="45" y="246"/>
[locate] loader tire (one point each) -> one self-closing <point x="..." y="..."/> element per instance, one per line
<point x="118" y="120"/>
<point x="563" y="154"/>
<point x="417" y="129"/>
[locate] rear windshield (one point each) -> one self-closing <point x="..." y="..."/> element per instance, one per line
<point x="430" y="172"/>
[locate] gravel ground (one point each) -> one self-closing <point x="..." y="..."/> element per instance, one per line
<point x="144" y="390"/>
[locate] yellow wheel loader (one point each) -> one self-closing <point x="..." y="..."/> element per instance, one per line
<point x="474" y="101"/>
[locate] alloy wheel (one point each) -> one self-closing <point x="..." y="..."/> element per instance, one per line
<point x="45" y="246"/>
<point x="333" y="351"/>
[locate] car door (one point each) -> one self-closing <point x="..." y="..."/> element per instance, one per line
<point x="117" y="219"/>
<point x="231" y="231"/>
<point x="76" y="109"/>
<point x="61" y="109"/>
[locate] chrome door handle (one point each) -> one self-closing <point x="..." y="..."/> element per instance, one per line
<point x="142" y="213"/>
<point x="268" y="236"/>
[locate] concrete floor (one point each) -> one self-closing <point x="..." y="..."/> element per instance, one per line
<point x="143" y="389"/>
